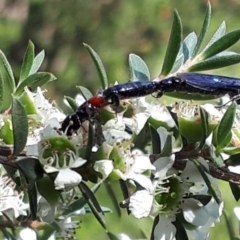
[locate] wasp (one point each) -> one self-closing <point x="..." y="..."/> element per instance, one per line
<point x="188" y="83"/>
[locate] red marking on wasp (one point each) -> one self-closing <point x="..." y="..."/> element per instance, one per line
<point x="98" y="101"/>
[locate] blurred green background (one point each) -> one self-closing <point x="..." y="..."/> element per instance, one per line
<point x="114" y="28"/>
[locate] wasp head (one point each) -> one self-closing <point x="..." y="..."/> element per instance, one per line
<point x="71" y="123"/>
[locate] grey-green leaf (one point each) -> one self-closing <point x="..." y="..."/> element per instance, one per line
<point x="220" y="60"/>
<point x="189" y="45"/>
<point x="226" y="124"/>
<point x="34" y="81"/>
<point x="173" y="45"/>
<point x="20" y="126"/>
<point x="7" y="68"/>
<point x="37" y="62"/>
<point x="204" y="29"/>
<point x="27" y="61"/>
<point x="138" y="68"/>
<point x="72" y="103"/>
<point x="221" y="31"/>
<point x="99" y="64"/>
<point x="178" y="63"/>
<point x="85" y="92"/>
<point x="167" y="148"/>
<point x="221" y="44"/>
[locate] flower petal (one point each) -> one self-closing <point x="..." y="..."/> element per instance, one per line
<point x="105" y="167"/>
<point x="165" y="230"/>
<point x="67" y="177"/>
<point x="141" y="203"/>
<point x="78" y="162"/>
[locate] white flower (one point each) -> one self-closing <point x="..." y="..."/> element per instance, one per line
<point x="11" y="199"/>
<point x="139" y="165"/>
<point x="105" y="167"/>
<point x="160" y="113"/>
<point x="141" y="114"/>
<point x="66" y="176"/>
<point x="47" y="109"/>
<point x="134" y="167"/>
<point x="67" y="228"/>
<point x="28" y="234"/>
<point x="214" y="212"/>
<point x="141" y="203"/>
<point x="236" y="211"/>
<point x="164" y="229"/>
<point x="194" y="212"/>
<point x="58" y="154"/>
<point x="136" y="123"/>
<point x="114" y="134"/>
<point x="48" y="115"/>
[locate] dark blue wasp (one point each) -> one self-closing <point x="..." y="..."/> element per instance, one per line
<point x="187" y="83"/>
<point x="202" y="84"/>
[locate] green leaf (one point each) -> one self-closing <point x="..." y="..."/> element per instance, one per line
<point x="226" y="124"/>
<point x="173" y="45"/>
<point x="231" y="150"/>
<point x="93" y="204"/>
<point x="1" y="90"/>
<point x="7" y="234"/>
<point x="99" y="64"/>
<point x="229" y="226"/>
<point x="72" y="103"/>
<point x="27" y="61"/>
<point x="204" y="29"/>
<point x="204" y="121"/>
<point x="217" y="158"/>
<point x="221" y="31"/>
<point x="181" y="231"/>
<point x="225" y="142"/>
<point x="235" y="188"/>
<point x="138" y="68"/>
<point x="31" y="169"/>
<point x="85" y="92"/>
<point x="112" y="236"/>
<point x="37" y="62"/>
<point x="33" y="201"/>
<point x="221" y="44"/>
<point x="202" y="198"/>
<point x="124" y="188"/>
<point x="75" y="206"/>
<point x="220" y="60"/>
<point x="111" y="193"/>
<point x="156" y="143"/>
<point x="202" y="170"/>
<point x="190" y="96"/>
<point x="7" y="68"/>
<point x="90" y="142"/>
<point x="79" y="204"/>
<point x="20" y="126"/>
<point x="45" y="231"/>
<point x="50" y="194"/>
<point x="233" y="160"/>
<point x="34" y="81"/>
<point x="189" y="45"/>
